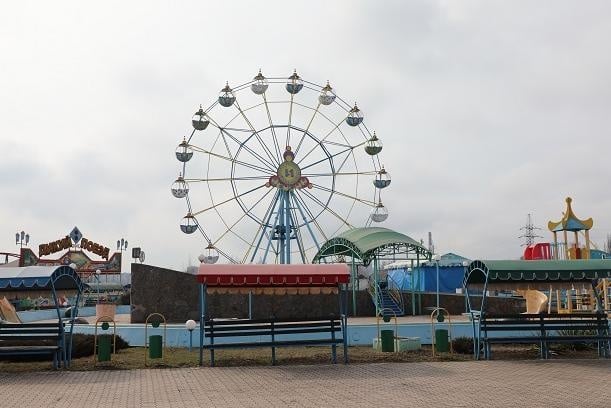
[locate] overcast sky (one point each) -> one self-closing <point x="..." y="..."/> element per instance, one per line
<point x="488" y="110"/>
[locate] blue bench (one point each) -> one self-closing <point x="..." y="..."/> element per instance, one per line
<point x="23" y="339"/>
<point x="275" y="333"/>
<point x="545" y="329"/>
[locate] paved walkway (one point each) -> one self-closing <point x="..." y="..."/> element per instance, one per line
<point x="456" y="384"/>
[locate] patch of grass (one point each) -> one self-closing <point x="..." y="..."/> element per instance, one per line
<point x="133" y="358"/>
<point x="463" y="345"/>
<point x="82" y="346"/>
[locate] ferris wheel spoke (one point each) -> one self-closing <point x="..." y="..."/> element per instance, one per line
<point x="220" y="156"/>
<point x="356" y="173"/>
<point x="307" y="128"/>
<point x="347" y="150"/>
<point x="328" y="190"/>
<point x="321" y="141"/>
<point x="228" y="200"/>
<point x="249" y="150"/>
<point x="326" y="208"/>
<point x="226" y="256"/>
<point x="272" y="127"/>
<point x="288" y="128"/>
<point x="194" y="180"/>
<point x="270" y="155"/>
<point x="191" y="136"/>
<point x="230" y="229"/>
<point x="344" y="161"/>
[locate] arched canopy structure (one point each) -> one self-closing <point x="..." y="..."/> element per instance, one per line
<point x="39" y="278"/>
<point x="365" y="244"/>
<point x="51" y="278"/>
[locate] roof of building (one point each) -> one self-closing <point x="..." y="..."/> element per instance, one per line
<point x="536" y="271"/>
<point x="364" y="243"/>
<point x="261" y="275"/>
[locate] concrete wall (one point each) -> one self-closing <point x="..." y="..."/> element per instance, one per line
<point x="176" y="295"/>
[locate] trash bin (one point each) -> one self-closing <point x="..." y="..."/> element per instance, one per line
<point x="104" y="348"/>
<point x="441" y="341"/>
<point x="387" y="338"/>
<point x="155" y="346"/>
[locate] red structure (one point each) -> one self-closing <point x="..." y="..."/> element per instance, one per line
<point x="273" y="276"/>
<point x="541" y="250"/>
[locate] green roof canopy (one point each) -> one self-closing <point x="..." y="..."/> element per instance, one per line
<point x="367" y="243"/>
<point x="580" y="270"/>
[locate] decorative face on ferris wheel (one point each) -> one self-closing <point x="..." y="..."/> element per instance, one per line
<point x="274" y="167"/>
<point x="288" y="176"/>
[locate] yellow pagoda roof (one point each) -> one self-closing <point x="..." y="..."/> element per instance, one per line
<point x="569" y="221"/>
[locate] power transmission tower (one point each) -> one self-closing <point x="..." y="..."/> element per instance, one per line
<point x="529" y="234"/>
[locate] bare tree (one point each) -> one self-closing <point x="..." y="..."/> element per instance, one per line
<point x="608" y="244"/>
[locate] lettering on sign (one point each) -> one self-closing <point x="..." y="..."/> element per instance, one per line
<point x="55" y="246"/>
<point x="97" y="249"/>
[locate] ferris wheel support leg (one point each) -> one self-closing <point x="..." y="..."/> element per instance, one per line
<point x="281" y="231"/>
<point x="288" y="228"/>
<point x="307" y="224"/>
<point x="264" y="229"/>
<point x="269" y="240"/>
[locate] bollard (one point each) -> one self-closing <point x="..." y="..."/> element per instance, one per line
<point x="441" y="341"/>
<point x="104" y="348"/>
<point x="387" y="338"/>
<point x="155" y="346"/>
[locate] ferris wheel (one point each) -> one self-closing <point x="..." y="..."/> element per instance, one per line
<point x="275" y="167"/>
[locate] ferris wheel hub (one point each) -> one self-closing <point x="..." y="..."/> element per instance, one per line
<point x="288" y="176"/>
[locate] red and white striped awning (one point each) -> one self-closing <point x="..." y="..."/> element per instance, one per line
<point x="273" y="276"/>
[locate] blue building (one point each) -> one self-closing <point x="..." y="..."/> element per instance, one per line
<point x="423" y="278"/>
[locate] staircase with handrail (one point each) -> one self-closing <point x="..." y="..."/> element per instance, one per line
<point x="389" y="298"/>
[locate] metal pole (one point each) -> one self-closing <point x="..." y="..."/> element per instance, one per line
<point x="437" y="273"/>
<point x="202" y="322"/>
<point x="190" y="340"/>
<point x="355" y="280"/>
<point x="288" y="229"/>
<point x="413" y="289"/>
<point x="250" y="305"/>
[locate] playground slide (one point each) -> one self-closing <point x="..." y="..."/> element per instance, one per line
<point x="536" y="301"/>
<point x="8" y="312"/>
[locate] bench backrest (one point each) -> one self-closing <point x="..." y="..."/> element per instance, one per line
<point x="545" y="322"/>
<point x="267" y="327"/>
<point x="33" y="332"/>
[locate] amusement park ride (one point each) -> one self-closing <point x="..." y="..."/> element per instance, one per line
<point x="274" y="167"/>
<point x="575" y="299"/>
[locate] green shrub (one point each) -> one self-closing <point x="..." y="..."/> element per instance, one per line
<point x="82" y="346"/>
<point x="580" y="345"/>
<point x="463" y="345"/>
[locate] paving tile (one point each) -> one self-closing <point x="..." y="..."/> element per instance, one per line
<point x="452" y="384"/>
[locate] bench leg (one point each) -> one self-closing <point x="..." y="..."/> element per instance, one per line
<point x="345" y="353"/>
<point x="211" y="357"/>
<point x="334" y="353"/>
<point x="55" y="360"/>
<point x="273" y="355"/>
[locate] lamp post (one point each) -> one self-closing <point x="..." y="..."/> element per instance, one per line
<point x="437" y="259"/>
<point x="22" y="238"/>
<point x="190" y="325"/>
<point x="121" y="245"/>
